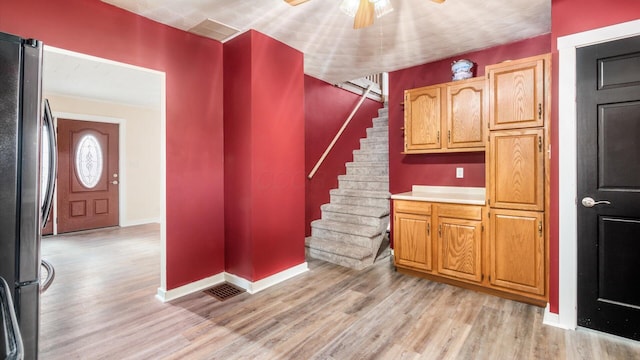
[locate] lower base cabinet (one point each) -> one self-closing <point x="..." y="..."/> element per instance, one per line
<point x="459" y="243"/>
<point x="517" y="251"/>
<point x="413" y="231"/>
<point x="501" y="252"/>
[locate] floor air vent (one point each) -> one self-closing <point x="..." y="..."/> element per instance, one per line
<point x="224" y="291"/>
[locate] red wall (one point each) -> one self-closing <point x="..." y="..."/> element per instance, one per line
<point x="264" y="156"/>
<point x="440" y="169"/>
<point x="326" y="109"/>
<point x="237" y="149"/>
<point x="570" y="17"/>
<point x="193" y="66"/>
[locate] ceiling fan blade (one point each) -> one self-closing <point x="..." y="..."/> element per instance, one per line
<point x="295" y="2"/>
<point x="364" y="15"/>
<point x="438" y="1"/>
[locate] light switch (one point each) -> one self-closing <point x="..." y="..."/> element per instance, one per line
<point x="459" y="173"/>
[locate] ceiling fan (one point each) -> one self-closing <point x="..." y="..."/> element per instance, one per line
<point x="366" y="10"/>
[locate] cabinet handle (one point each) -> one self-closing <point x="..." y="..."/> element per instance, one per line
<point x="540" y="228"/>
<point x="539" y="143"/>
<point x="438" y="140"/>
<point x="428" y="229"/>
<point x="539" y="111"/>
<point x="440" y="230"/>
<point x="449" y="135"/>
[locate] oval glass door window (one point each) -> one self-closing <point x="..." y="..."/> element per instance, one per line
<point x="89" y="161"/>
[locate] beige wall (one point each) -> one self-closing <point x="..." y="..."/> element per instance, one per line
<point x="141" y="168"/>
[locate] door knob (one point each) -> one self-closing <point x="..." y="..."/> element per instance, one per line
<point x="115" y="182"/>
<point x="589" y="202"/>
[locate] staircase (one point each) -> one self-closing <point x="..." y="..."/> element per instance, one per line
<point x="353" y="225"/>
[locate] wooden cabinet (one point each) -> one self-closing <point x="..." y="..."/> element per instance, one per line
<point x="517" y="93"/>
<point x="517" y="251"/>
<point x="459" y="241"/>
<point x="456" y="249"/>
<point x="422" y="116"/>
<point x="465" y="115"/>
<point x="518" y="176"/>
<point x="412" y="235"/>
<point x="447" y="242"/>
<point x="516" y="169"/>
<point x="446" y="117"/>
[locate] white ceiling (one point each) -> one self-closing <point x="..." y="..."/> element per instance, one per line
<point x="416" y="32"/>
<point x="72" y="74"/>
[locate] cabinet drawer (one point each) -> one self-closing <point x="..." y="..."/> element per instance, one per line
<point x="413" y="207"/>
<point x="460" y="211"/>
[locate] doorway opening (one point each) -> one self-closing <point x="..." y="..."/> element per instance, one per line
<point x="101" y="91"/>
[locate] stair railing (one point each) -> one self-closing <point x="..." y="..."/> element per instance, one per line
<point x="335" y="138"/>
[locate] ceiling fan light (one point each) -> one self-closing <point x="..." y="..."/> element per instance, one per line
<point x="349" y="7"/>
<point x="382" y="7"/>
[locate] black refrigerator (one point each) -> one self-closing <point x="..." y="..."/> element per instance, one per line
<point x="27" y="172"/>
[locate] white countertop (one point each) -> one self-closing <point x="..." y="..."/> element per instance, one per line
<point x="446" y="194"/>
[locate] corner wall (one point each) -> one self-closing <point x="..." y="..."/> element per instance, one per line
<point x="264" y="156"/>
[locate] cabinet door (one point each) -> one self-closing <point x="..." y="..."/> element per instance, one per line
<point x="422" y="115"/>
<point x="412" y="240"/>
<point x="465" y="114"/>
<point x="516" y="163"/>
<point x="460" y="248"/>
<point x="517" y="251"/>
<point x="516" y="93"/>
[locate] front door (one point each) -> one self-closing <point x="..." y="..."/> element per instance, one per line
<point x="87" y="175"/>
<point x="608" y="105"/>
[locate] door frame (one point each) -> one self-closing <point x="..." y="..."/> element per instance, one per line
<point x="162" y="77"/>
<point x="567" y="169"/>
<point x="122" y="149"/>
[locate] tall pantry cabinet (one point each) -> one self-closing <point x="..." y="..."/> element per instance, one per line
<point x="517" y="159"/>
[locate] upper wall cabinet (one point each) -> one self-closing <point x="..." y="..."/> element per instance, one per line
<point x="516" y="169"/>
<point x="445" y="117"/>
<point x="422" y="116"/>
<point x="465" y="114"/>
<point x="517" y="93"/>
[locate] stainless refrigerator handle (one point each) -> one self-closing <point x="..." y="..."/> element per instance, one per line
<point x="51" y="274"/>
<point x="13" y="339"/>
<point x="53" y="163"/>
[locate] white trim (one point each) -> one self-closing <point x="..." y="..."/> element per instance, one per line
<point x="140" y="222"/>
<point x="552" y="319"/>
<point x="254" y="287"/>
<point x="248" y="286"/>
<point x="168" y="295"/>
<point x="567" y="158"/>
<point x="163" y="181"/>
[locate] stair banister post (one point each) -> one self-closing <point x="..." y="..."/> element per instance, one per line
<point x="335" y="138"/>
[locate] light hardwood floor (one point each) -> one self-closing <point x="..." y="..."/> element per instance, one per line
<point x="102" y="306"/>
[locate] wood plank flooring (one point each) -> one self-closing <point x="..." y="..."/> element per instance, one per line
<point x="102" y="305"/>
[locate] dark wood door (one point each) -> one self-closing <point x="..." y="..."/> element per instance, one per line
<point x="88" y="183"/>
<point x="608" y="104"/>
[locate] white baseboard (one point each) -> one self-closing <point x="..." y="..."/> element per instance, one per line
<point x="552" y="319"/>
<point x="168" y="295"/>
<point x="140" y="222"/>
<point x="254" y="287"/>
<point x="248" y="286"/>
